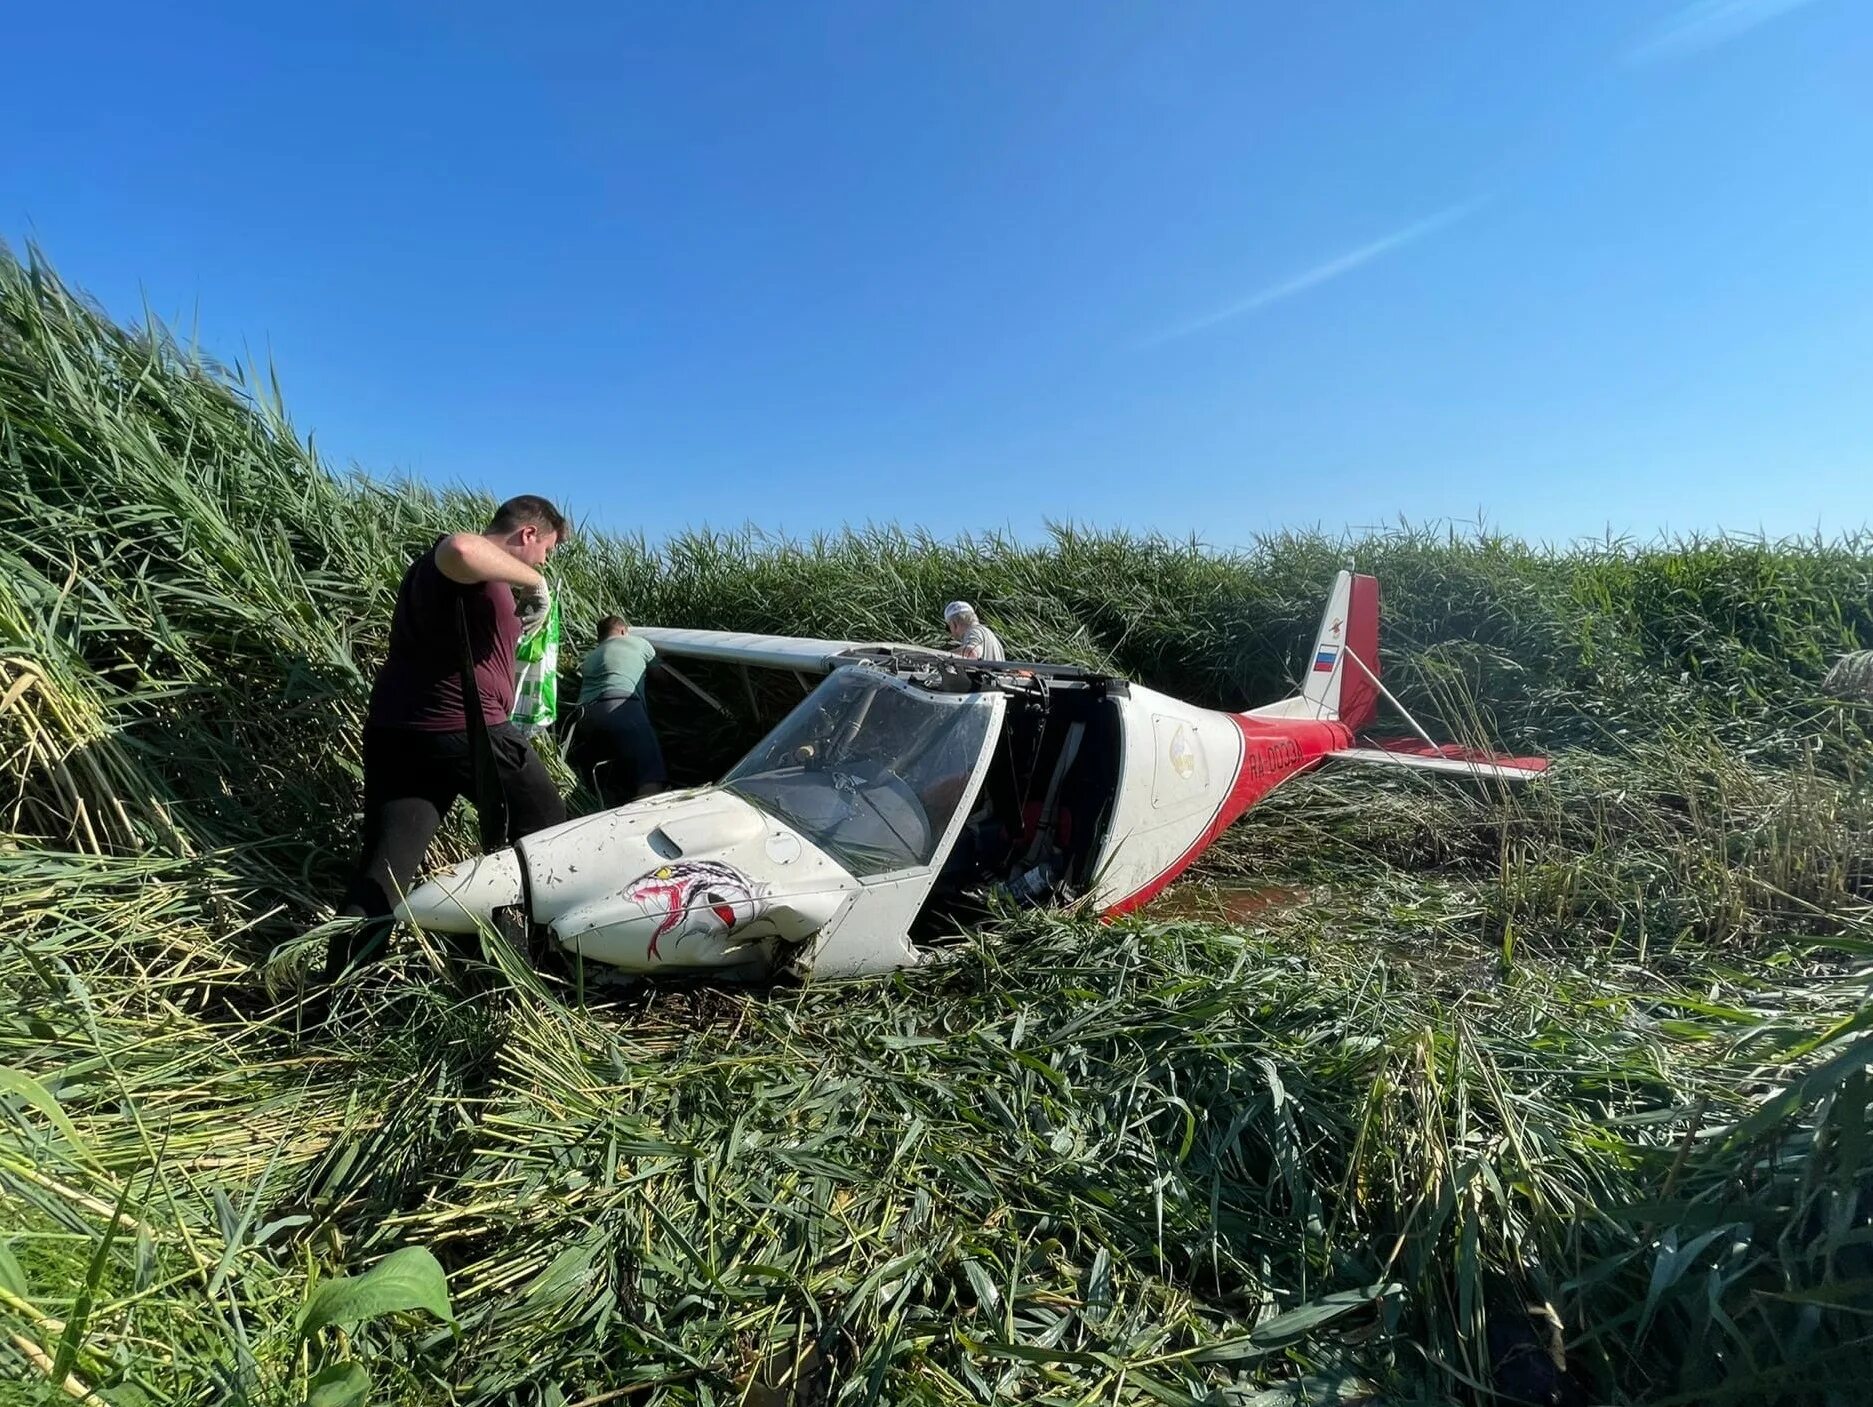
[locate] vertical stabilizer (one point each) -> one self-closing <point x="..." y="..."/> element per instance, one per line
<point x="1359" y="690"/>
<point x="1335" y="687"/>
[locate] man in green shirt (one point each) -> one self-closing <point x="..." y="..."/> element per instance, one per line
<point x="613" y="747"/>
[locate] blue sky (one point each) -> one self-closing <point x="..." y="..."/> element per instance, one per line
<point x="1211" y="269"/>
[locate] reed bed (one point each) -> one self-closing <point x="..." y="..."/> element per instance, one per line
<point x="1557" y="1097"/>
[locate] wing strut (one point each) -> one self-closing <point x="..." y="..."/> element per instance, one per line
<point x="1437" y="759"/>
<point x="1416" y="727"/>
<point x="692" y="686"/>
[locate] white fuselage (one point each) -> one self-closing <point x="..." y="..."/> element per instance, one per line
<point x="687" y="880"/>
<point x="704" y="881"/>
<point x="828" y="873"/>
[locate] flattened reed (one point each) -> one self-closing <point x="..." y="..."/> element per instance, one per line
<point x="1557" y="1097"/>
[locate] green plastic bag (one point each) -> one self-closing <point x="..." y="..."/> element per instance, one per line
<point x="536" y="692"/>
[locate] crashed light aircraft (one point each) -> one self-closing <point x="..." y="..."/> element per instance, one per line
<point x="906" y="787"/>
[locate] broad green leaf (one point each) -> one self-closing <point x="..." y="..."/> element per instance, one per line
<point x="341" y="1385"/>
<point x="1284" y="1329"/>
<point x="1028" y="1353"/>
<point x="1098" y="1292"/>
<point x="12" y="1278"/>
<point x="74" y="1335"/>
<point x="403" y="1280"/>
<point x="1168" y="1393"/>
<point x="1043" y="1069"/>
<point x="566" y="1273"/>
<point x="20" y="1083"/>
<point x="988" y="1298"/>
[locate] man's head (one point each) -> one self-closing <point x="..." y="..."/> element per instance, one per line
<point x="959" y="616"/>
<point x="609" y="626"/>
<point x="529" y="527"/>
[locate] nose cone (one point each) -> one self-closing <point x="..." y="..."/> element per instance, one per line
<point x="461" y="899"/>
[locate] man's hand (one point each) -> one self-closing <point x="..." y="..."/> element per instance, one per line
<point x="532" y="602"/>
<point x="469" y="558"/>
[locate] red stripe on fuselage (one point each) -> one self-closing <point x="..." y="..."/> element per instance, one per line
<point x="1273" y="750"/>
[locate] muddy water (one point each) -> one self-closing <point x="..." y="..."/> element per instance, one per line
<point x="1223" y="903"/>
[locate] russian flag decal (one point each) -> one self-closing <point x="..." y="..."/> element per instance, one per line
<point x="1323" y="661"/>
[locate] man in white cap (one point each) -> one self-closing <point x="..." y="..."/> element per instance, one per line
<point x="975" y="641"/>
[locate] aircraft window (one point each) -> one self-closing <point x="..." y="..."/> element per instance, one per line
<point x="868" y="768"/>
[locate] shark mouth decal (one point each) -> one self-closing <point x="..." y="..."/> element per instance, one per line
<point x="696" y="898"/>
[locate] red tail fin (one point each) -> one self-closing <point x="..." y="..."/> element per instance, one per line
<point x="1336" y="686"/>
<point x="1359" y="695"/>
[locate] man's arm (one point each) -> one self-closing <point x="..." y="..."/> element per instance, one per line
<point x="469" y="558"/>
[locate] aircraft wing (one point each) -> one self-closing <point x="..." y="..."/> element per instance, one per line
<point x="800" y="653"/>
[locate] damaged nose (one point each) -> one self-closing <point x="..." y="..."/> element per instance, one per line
<point x="463" y="898"/>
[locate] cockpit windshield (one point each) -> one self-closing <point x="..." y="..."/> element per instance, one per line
<point x="868" y="768"/>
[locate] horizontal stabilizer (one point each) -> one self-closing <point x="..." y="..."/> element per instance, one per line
<point x="1451" y="759"/>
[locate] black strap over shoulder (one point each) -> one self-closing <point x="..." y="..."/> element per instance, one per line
<point x="490" y="798"/>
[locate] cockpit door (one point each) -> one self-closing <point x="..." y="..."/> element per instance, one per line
<point x="872" y="934"/>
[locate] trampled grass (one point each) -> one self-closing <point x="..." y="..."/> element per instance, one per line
<point x="1557" y="1097"/>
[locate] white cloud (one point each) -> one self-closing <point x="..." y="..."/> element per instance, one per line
<point x="1703" y="25"/>
<point x="1320" y="273"/>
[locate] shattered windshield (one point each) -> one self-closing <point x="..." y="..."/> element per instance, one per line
<point x="868" y="768"/>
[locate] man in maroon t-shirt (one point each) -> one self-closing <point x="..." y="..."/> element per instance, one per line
<point x="417" y="754"/>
